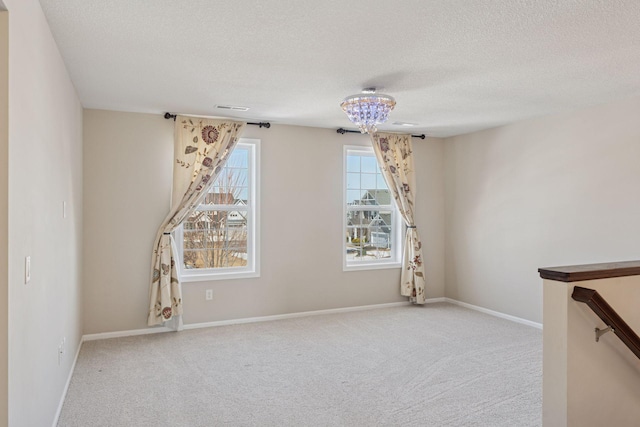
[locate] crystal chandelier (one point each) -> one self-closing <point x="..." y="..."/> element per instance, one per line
<point x="368" y="109"/>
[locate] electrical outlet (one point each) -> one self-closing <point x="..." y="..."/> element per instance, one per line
<point x="208" y="295"/>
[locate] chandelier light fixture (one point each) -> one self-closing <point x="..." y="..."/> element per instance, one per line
<point x="368" y="109"/>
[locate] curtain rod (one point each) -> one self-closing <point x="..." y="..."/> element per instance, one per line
<point x="261" y="124"/>
<point x="342" y="131"/>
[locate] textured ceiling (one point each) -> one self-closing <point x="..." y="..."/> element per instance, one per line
<point x="453" y="66"/>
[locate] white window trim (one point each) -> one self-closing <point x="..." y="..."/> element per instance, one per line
<point x="253" y="240"/>
<point x="398" y="228"/>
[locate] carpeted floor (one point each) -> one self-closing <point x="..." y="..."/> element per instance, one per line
<point x="436" y="365"/>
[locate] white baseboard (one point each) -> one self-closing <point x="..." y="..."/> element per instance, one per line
<point x="495" y="313"/>
<point x="160" y="329"/>
<point x="292" y="315"/>
<point x="130" y="333"/>
<point x="66" y="386"/>
<point x="154" y="330"/>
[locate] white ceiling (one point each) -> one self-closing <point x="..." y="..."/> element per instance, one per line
<point x="453" y="66"/>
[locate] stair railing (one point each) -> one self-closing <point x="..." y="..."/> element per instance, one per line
<point x="609" y="316"/>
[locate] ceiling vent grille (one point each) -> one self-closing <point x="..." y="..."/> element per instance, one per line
<point x="232" y="107"/>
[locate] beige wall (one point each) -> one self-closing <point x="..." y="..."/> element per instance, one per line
<point x="45" y="169"/>
<point x="4" y="211"/>
<point x="558" y="190"/>
<point x="127" y="172"/>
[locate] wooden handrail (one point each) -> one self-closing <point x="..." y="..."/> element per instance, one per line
<point x="604" y="270"/>
<point x="609" y="316"/>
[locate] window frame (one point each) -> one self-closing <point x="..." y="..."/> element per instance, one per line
<point x="252" y="269"/>
<point x="397" y="234"/>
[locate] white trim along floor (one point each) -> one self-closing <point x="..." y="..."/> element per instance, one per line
<point x="106" y="335"/>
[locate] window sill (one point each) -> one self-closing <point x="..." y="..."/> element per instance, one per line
<point x="377" y="266"/>
<point x="206" y="277"/>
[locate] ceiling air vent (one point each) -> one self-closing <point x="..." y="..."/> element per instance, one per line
<point x="232" y="107"/>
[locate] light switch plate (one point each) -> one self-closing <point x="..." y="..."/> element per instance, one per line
<point x="27" y="269"/>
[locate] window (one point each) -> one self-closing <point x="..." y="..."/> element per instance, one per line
<point x="372" y="237"/>
<point x="220" y="239"/>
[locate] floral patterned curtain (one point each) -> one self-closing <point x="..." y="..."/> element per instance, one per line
<point x="395" y="158"/>
<point x="202" y="146"/>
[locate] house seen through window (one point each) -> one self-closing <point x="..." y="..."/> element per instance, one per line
<point x="371" y="218"/>
<point x="219" y="239"/>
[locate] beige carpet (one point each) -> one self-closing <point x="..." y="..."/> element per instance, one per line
<point x="436" y="365"/>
